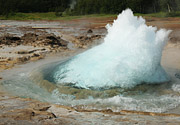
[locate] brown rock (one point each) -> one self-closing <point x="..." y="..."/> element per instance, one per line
<point x="86" y="40"/>
<point x="28" y="114"/>
<point x="22" y="59"/>
<point x="43" y="108"/>
<point x="22" y="52"/>
<point x="35" y="55"/>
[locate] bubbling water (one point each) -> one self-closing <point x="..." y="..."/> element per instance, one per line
<point x="130" y="55"/>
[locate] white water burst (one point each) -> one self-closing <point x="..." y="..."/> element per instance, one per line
<point x="130" y="55"/>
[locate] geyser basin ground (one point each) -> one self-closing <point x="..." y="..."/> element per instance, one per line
<point x="144" y="97"/>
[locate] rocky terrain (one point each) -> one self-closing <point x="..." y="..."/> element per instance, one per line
<point x="29" y="47"/>
<point x="34" y="45"/>
<point x="25" y="41"/>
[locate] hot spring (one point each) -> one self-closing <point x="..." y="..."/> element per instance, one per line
<point x="124" y="72"/>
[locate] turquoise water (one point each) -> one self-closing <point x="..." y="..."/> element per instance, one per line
<point x="144" y="97"/>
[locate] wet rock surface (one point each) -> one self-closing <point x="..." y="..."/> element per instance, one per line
<point x="85" y="41"/>
<point x="15" y="110"/>
<point x="32" y="44"/>
<point x="33" y="39"/>
<point x="43" y="40"/>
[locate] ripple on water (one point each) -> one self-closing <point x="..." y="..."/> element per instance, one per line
<point x="144" y="97"/>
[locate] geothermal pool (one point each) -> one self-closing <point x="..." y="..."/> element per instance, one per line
<point x="124" y="72"/>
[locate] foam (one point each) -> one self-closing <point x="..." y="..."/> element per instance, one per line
<point x="130" y="55"/>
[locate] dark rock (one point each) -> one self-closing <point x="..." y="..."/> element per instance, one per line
<point x="85" y="40"/>
<point x="54" y="41"/>
<point x="29" y="38"/>
<point x="22" y="59"/>
<point x="32" y="39"/>
<point x="44" y="108"/>
<point x="30" y="35"/>
<point x="177" y="75"/>
<point x="53" y="38"/>
<point x="90" y="31"/>
<point x="23" y="52"/>
<point x="36" y="55"/>
<point x="10" y="40"/>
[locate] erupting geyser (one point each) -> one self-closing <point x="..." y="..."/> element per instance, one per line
<point x="130" y="55"/>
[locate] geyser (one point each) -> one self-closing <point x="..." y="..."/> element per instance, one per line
<point x="130" y="55"/>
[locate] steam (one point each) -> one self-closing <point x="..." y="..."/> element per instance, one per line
<point x="73" y="3"/>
